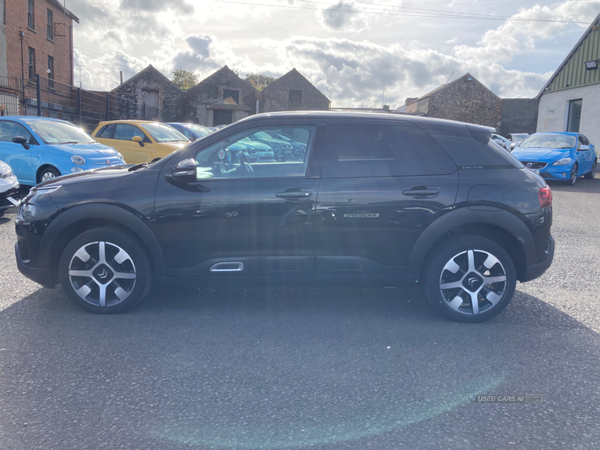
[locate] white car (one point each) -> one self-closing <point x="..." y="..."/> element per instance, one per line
<point x="502" y="141"/>
<point x="9" y="188"/>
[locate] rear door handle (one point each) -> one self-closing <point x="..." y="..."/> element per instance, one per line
<point x="422" y="191"/>
<point x="295" y="194"/>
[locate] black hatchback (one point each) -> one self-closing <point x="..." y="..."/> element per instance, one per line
<point x="377" y="200"/>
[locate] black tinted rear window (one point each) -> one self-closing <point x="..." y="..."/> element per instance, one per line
<point x="382" y="151"/>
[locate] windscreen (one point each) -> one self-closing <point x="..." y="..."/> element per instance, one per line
<point x="549" y="140"/>
<point x="53" y="132"/>
<point x="163" y="133"/>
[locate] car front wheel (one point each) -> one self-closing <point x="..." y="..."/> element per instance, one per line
<point x="592" y="173"/>
<point x="48" y="174"/>
<point x="470" y="279"/>
<point x="573" y="177"/>
<point x="105" y="270"/>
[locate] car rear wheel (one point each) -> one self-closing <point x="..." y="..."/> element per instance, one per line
<point x="47" y="174"/>
<point x="105" y="270"/>
<point x="573" y="177"/>
<point x="470" y="279"/>
<point x="592" y="173"/>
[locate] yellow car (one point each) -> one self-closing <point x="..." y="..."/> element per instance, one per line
<point x="139" y="141"/>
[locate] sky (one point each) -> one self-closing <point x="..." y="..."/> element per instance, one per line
<point x="359" y="53"/>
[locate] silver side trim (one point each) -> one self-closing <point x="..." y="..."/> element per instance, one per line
<point x="227" y="267"/>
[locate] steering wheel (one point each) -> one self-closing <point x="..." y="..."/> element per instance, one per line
<point x="246" y="164"/>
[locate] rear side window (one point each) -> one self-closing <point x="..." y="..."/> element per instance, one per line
<point x="354" y="151"/>
<point x="106" y="132"/>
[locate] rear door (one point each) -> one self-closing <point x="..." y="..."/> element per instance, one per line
<point x="381" y="186"/>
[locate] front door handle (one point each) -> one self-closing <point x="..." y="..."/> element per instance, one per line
<point x="295" y="194"/>
<point x="422" y="191"/>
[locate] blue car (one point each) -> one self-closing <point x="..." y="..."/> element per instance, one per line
<point x="191" y="130"/>
<point x="558" y="156"/>
<point x="40" y="148"/>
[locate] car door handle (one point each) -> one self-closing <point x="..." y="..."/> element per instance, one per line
<point x="295" y="194"/>
<point x="422" y="191"/>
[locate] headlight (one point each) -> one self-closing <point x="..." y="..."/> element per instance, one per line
<point x="26" y="212"/>
<point x="79" y="160"/>
<point x="562" y="162"/>
<point x="121" y="156"/>
<point x="7" y="175"/>
<point x="43" y="190"/>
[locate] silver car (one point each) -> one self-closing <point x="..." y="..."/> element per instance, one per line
<point x="9" y="188"/>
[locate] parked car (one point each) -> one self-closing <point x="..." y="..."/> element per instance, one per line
<point x="392" y="209"/>
<point x="40" y="148"/>
<point x="298" y="147"/>
<point x="191" y="131"/>
<point x="558" y="156"/>
<point x="140" y="140"/>
<point x="9" y="188"/>
<point x="515" y="138"/>
<point x="502" y="141"/>
<point x="282" y="150"/>
<point x="263" y="151"/>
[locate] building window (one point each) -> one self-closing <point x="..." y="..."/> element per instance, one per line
<point x="51" y="72"/>
<point x="30" y="14"/>
<point x="230" y="95"/>
<point x="50" y="26"/>
<point x="31" y="64"/>
<point x="574" y="116"/>
<point x="295" y="96"/>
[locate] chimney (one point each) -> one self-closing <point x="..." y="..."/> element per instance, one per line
<point x="386" y="108"/>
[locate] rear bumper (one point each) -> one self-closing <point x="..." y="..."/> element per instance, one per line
<point x="537" y="270"/>
<point x="44" y="277"/>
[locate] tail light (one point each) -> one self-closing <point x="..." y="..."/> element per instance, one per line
<point x="545" y="197"/>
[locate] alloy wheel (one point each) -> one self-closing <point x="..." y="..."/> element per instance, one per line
<point x="473" y="282"/>
<point x="102" y="274"/>
<point x="46" y="176"/>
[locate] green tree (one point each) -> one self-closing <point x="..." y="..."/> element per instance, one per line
<point x="184" y="79"/>
<point x="258" y="80"/>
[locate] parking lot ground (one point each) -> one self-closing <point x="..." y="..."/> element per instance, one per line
<point x="319" y="368"/>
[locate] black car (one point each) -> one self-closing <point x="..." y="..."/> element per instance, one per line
<point x="379" y="200"/>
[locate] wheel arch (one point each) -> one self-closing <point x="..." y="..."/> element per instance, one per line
<point x="502" y="227"/>
<point x="85" y="217"/>
<point x="43" y="166"/>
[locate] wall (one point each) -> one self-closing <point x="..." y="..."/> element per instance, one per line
<point x="276" y="96"/>
<point x="60" y="48"/>
<point x="519" y="115"/>
<point x="553" y="110"/>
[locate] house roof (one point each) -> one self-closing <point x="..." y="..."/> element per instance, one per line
<point x="149" y="69"/>
<point x="221" y="72"/>
<point x="60" y="6"/>
<point x="293" y="74"/>
<point x="596" y="22"/>
<point x="438" y="89"/>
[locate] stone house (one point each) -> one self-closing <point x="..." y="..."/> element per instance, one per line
<point x="570" y="100"/>
<point x="293" y="92"/>
<point x="152" y="95"/>
<point x="220" y="99"/>
<point x="519" y="115"/>
<point x="465" y="99"/>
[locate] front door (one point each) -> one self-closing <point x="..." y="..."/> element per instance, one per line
<point x="15" y="155"/>
<point x="381" y="187"/>
<point x="222" y="117"/>
<point x="240" y="218"/>
<point x="132" y="151"/>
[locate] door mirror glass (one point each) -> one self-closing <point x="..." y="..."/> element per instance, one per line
<point x="513" y="145"/>
<point x="584" y="148"/>
<point x="21" y="140"/>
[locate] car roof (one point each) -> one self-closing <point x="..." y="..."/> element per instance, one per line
<point x="566" y="133"/>
<point x="28" y="119"/>
<point x="130" y="121"/>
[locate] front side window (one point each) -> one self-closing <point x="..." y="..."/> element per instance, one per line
<point x="354" y="151"/>
<point x="9" y="130"/>
<point x="574" y="116"/>
<point x="254" y="153"/>
<point x="125" y="132"/>
<point x="30" y="14"/>
<point x="31" y="53"/>
<point x="50" y="26"/>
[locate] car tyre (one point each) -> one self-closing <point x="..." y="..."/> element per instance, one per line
<point x="573" y="177"/>
<point x="105" y="270"/>
<point x="456" y="274"/>
<point x="47" y="174"/>
<point x="592" y="173"/>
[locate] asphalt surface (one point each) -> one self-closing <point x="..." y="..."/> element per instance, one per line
<point x="335" y="368"/>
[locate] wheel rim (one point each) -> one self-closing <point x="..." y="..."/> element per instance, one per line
<point x="472" y="282"/>
<point x="102" y="274"/>
<point x="47" y="176"/>
<point x="594" y="168"/>
<point x="574" y="175"/>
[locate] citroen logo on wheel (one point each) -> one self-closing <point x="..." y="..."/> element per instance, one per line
<point x="103" y="274"/>
<point x="472" y="282"/>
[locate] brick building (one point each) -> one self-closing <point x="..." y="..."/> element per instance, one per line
<point x="36" y="37"/>
<point x="220" y="99"/>
<point x="154" y="94"/>
<point x="292" y="92"/>
<point x="464" y="99"/>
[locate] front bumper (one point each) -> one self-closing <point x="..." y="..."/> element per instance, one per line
<point x="537" y="270"/>
<point x="560" y="173"/>
<point x="12" y="191"/>
<point x="44" y="277"/>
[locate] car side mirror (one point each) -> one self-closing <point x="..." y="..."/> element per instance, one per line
<point x="21" y="140"/>
<point x="139" y="140"/>
<point x="583" y="148"/>
<point x="185" y="171"/>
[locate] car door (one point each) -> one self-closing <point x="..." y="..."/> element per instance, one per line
<point x="585" y="153"/>
<point x="381" y="186"/>
<point x="239" y="219"/>
<point x="16" y="155"/>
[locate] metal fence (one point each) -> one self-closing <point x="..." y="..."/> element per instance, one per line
<point x="49" y="98"/>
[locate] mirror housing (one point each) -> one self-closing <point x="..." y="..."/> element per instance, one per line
<point x="185" y="171"/>
<point x="21" y="140"/>
<point x="139" y="140"/>
<point x="513" y="145"/>
<point x="583" y="148"/>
